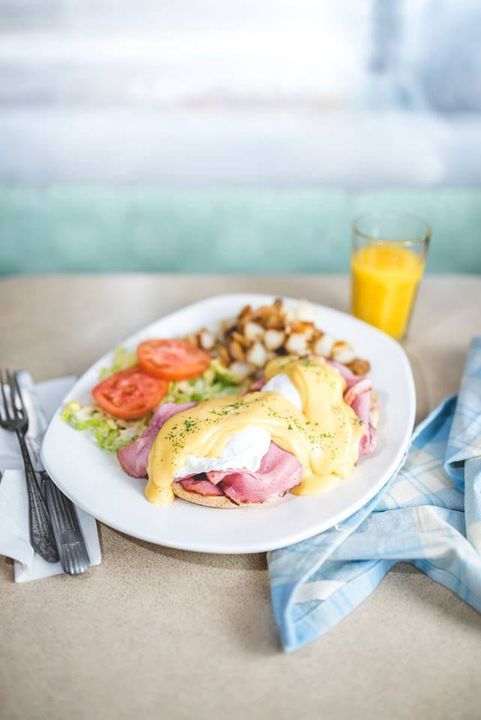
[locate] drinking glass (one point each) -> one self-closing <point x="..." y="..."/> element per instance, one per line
<point x="388" y="257"/>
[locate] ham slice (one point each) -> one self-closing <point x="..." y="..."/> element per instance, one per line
<point x="279" y="472"/>
<point x="133" y="457"/>
<point x="363" y="387"/>
<point x="256" y="385"/>
<point x="200" y="485"/>
<point x="359" y="396"/>
<point x="361" y="405"/>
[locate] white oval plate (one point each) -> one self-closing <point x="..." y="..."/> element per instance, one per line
<point x="94" y="480"/>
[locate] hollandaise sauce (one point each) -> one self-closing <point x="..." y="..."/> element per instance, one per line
<point x="323" y="436"/>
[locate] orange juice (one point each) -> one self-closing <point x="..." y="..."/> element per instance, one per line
<point x="385" y="278"/>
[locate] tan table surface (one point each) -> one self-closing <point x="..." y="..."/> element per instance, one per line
<point x="160" y="633"/>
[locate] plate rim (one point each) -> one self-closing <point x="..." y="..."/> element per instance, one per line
<point x="301" y="535"/>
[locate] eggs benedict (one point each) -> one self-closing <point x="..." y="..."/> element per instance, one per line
<point x="294" y="434"/>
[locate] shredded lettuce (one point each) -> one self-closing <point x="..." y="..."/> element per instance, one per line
<point x="120" y="361"/>
<point x="217" y="381"/>
<point x="108" y="432"/>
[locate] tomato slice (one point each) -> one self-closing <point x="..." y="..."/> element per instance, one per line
<point x="130" y="393"/>
<point x="172" y="359"/>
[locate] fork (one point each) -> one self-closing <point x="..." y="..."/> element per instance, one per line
<point x="14" y="419"/>
<point x="67" y="531"/>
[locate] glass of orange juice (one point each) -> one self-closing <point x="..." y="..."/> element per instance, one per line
<point x="388" y="258"/>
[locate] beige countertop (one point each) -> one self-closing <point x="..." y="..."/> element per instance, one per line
<point x="161" y="633"/>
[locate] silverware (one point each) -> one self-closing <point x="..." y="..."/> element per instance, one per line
<point x="66" y="527"/>
<point x="14" y="419"/>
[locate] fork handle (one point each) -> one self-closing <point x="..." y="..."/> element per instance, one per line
<point x="66" y="527"/>
<point x="41" y="533"/>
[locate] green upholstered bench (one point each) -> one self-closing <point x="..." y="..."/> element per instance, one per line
<point x="257" y="230"/>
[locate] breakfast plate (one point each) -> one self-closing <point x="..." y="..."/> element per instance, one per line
<point x="94" y="480"/>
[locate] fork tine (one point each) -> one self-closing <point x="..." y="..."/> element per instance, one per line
<point x="19" y="393"/>
<point x="15" y="393"/>
<point x="13" y="404"/>
<point x="4" y="396"/>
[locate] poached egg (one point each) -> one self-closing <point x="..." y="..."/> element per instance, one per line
<point x="246" y="448"/>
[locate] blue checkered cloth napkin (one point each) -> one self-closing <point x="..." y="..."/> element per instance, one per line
<point x="428" y="514"/>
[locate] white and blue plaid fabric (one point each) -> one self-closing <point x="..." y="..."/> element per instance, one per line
<point x="429" y="514"/>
